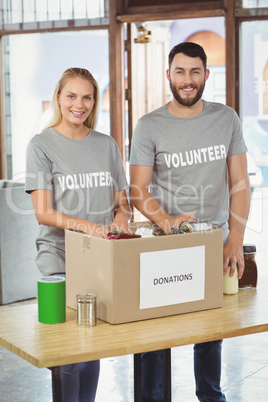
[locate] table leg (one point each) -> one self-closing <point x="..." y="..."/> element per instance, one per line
<point x="137" y="377"/>
<point x="56" y="383"/>
<point x="168" y="375"/>
<point x="138" y="374"/>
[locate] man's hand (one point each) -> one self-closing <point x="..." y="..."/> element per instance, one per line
<point x="170" y="222"/>
<point x="233" y="254"/>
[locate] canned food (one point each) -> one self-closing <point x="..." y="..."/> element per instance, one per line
<point x="175" y="231"/>
<point x="195" y="226"/>
<point x="157" y="231"/>
<point x="86" y="309"/>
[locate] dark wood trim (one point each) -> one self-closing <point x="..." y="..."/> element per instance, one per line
<point x="237" y="67"/>
<point x="189" y="6"/>
<point x="158" y="16"/>
<point x="128" y="48"/>
<point x="230" y="48"/>
<point x="252" y="18"/>
<point x="117" y="77"/>
<point x="149" y="3"/>
<point x="171" y="12"/>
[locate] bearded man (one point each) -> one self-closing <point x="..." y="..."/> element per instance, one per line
<point x="188" y="161"/>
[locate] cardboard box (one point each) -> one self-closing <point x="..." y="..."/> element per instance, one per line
<point x="137" y="279"/>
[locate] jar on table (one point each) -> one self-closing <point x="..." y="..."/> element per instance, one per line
<point x="230" y="283"/>
<point x="250" y="275"/>
<point x="86" y="309"/>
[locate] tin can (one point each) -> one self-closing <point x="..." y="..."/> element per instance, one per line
<point x="175" y="231"/>
<point x="195" y="226"/>
<point x="157" y="231"/>
<point x="86" y="309"/>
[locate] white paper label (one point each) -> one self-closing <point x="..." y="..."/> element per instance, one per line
<point x="172" y="276"/>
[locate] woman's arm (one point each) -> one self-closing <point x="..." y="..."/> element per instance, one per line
<point x="46" y="215"/>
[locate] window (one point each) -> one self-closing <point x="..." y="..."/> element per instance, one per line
<point x="254" y="90"/>
<point x="254" y="3"/>
<point x="33" y="64"/>
<point x="23" y="11"/>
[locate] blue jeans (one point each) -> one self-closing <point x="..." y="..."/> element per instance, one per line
<point x="79" y="381"/>
<point x="207" y="370"/>
<point x="152" y="376"/>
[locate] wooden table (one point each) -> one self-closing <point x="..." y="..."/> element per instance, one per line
<point x="54" y="345"/>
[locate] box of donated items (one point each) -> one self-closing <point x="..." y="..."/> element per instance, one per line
<point x="148" y="277"/>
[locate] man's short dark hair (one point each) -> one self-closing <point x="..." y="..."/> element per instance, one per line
<point x="189" y="49"/>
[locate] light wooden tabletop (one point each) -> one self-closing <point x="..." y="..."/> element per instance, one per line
<point x="53" y="345"/>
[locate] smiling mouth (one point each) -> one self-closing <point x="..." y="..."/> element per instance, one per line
<point x="77" y="113"/>
<point x="188" y="89"/>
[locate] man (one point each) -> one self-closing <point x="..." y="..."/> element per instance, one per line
<point x="188" y="160"/>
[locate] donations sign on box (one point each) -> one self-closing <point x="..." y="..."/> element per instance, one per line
<point x="182" y="280"/>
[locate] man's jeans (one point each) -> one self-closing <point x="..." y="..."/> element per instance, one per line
<point x="207" y="370"/>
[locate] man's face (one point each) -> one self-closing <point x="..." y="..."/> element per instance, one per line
<point x="187" y="78"/>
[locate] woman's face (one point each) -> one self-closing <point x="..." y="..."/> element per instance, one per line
<point x="76" y="100"/>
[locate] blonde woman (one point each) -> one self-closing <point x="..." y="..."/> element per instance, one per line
<point x="76" y="180"/>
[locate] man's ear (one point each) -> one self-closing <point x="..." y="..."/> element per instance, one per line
<point x="168" y="74"/>
<point x="207" y="74"/>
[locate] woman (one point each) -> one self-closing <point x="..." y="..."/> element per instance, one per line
<point x="76" y="180"/>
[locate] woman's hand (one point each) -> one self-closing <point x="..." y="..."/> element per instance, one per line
<point x="120" y="223"/>
<point x="123" y="227"/>
<point x="98" y="231"/>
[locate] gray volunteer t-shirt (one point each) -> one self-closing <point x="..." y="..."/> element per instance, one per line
<point x="189" y="158"/>
<point x="82" y="176"/>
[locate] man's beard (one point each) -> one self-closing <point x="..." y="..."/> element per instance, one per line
<point x="187" y="101"/>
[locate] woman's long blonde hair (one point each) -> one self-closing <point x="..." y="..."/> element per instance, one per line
<point x="91" y="121"/>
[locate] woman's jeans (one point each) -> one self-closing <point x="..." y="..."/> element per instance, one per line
<point x="79" y="381"/>
<point x="207" y="370"/>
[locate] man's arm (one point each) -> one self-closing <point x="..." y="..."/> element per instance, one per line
<point x="147" y="204"/>
<point x="239" y="194"/>
<point x="122" y="211"/>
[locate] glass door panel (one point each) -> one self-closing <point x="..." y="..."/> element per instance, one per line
<point x="33" y="64"/>
<point x="254" y="91"/>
